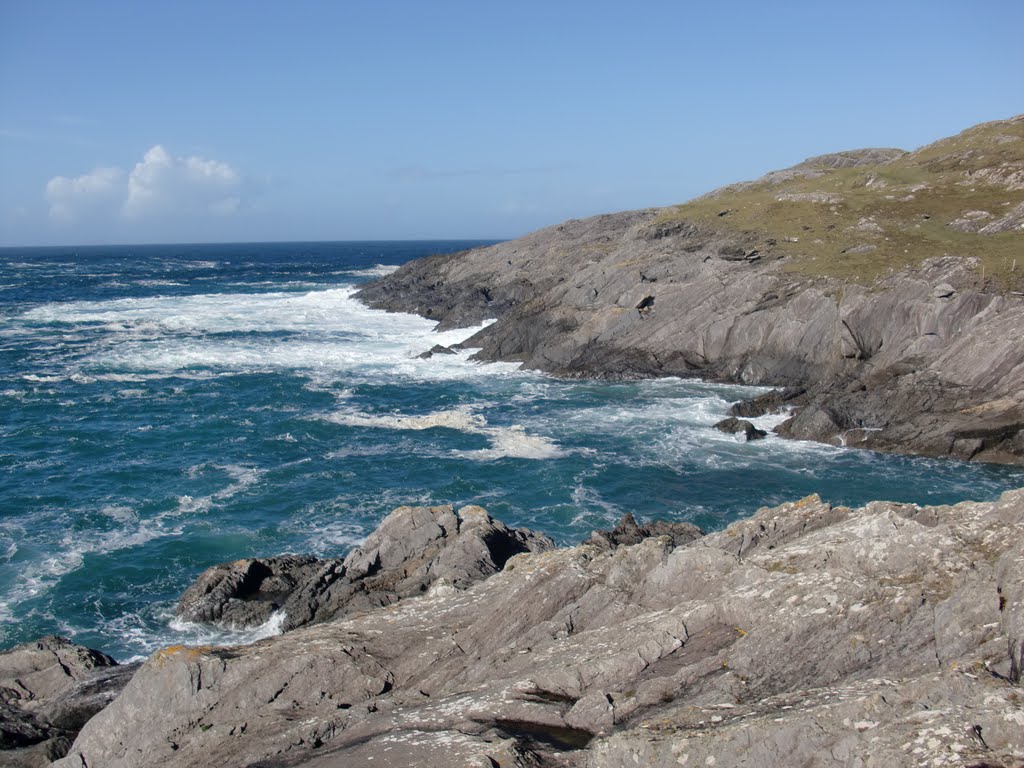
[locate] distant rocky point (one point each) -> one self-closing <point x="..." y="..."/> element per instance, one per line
<point x="887" y="285"/>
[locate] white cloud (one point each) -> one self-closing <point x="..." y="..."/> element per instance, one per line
<point x="90" y="194"/>
<point x="160" y="186"/>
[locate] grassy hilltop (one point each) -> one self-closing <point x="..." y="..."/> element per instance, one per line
<point x="861" y="215"/>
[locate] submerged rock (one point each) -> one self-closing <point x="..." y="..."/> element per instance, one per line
<point x="411" y="549"/>
<point x="888" y="635"/>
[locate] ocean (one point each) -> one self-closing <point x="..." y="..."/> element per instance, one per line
<point x="166" y="408"/>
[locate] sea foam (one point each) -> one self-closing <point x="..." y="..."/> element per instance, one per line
<point x="506" y="441"/>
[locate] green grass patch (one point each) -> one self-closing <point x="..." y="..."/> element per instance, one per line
<point x="886" y="217"/>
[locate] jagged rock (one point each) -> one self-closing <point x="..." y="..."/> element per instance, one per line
<point x="437" y="349"/>
<point x="245" y="593"/>
<point x="48" y="690"/>
<point x="734" y="426"/>
<point x="627" y="531"/>
<point x="411" y="549"/>
<point x="886" y="635"/>
<point x="943" y="291"/>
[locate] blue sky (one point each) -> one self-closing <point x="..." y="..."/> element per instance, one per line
<point x="216" y="121"/>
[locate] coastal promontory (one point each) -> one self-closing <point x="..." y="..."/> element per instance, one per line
<point x="886" y="286"/>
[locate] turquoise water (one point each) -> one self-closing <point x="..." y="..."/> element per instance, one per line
<point x="167" y="408"/>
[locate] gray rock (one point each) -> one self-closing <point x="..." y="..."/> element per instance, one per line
<point x="806" y="635"/>
<point x="48" y="690"/>
<point x="1012" y="221"/>
<point x="411" y="549"/>
<point x="734" y="426"/>
<point x="628" y="531"/>
<point x="943" y="291"/>
<point x="769" y="402"/>
<point x="437" y="349"/>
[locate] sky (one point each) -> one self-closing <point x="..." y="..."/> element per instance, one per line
<point x="138" y="122"/>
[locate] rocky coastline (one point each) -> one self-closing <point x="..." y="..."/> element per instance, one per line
<point x="894" y="325"/>
<point x="806" y="635"/>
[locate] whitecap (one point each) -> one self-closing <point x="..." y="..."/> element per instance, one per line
<point x="192" y="633"/>
<point x="506" y="441"/>
<point x="377" y="270"/>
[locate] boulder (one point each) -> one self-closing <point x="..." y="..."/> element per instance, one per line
<point x="734" y="426"/>
<point x="437" y="349"/>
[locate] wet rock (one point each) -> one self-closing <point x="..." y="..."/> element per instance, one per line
<point x="769" y="402"/>
<point x="245" y="593"/>
<point x="411" y="549"/>
<point x="437" y="349"/>
<point x="734" y="426"/>
<point x="813" y="422"/>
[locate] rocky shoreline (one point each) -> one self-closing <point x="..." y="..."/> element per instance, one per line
<point x="912" y="349"/>
<point x="892" y="367"/>
<point x="806" y="635"/>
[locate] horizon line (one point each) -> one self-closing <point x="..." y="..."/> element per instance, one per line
<point x="264" y="242"/>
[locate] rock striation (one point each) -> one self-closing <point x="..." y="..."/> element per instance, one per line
<point x="840" y="277"/>
<point x="809" y="634"/>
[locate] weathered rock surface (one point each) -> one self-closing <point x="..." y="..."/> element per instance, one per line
<point x="918" y="355"/>
<point x="48" y="690"/>
<point x="806" y="635"/>
<point x="411" y="549"/>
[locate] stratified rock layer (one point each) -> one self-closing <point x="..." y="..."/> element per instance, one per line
<point x="806" y="635"/>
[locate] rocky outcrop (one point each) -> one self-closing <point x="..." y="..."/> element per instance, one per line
<point x="628" y="531"/>
<point x="806" y="635"/>
<point x="902" y="340"/>
<point x="899" y="367"/>
<point x="48" y="690"/>
<point x="411" y="549"/>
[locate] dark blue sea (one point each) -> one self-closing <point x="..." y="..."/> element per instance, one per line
<point x="165" y="408"/>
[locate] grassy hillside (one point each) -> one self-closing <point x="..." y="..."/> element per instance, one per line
<point x="861" y="215"/>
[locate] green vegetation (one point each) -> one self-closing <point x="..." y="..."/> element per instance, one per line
<point x="861" y="223"/>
